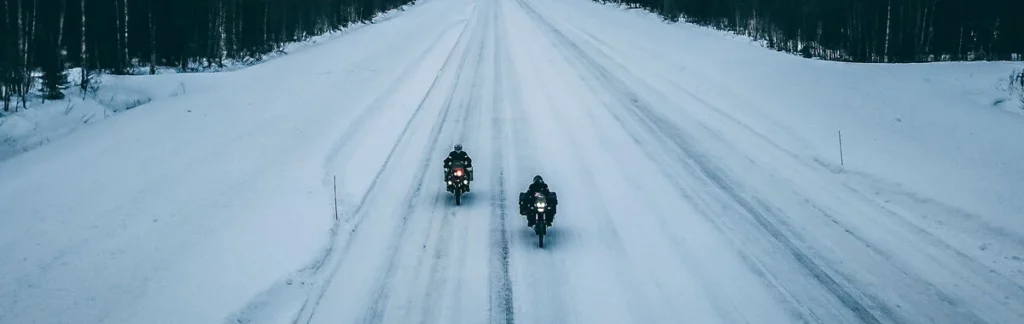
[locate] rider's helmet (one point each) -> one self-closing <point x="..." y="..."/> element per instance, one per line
<point x="458" y="147"/>
<point x="538" y="179"/>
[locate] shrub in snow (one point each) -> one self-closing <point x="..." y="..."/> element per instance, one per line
<point x="1017" y="86"/>
<point x="54" y="82"/>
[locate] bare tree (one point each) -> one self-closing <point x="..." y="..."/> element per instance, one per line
<point x="83" y="57"/>
<point x="223" y="37"/>
<point x="60" y="25"/>
<point x="152" y="41"/>
<point x="23" y="52"/>
<point x="127" y="61"/>
<point x="117" y="25"/>
<point x="32" y="35"/>
<point x="888" y="31"/>
<point x="6" y="88"/>
<point x="1016" y="86"/>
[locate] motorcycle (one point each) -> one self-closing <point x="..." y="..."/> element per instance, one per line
<point x="540" y="210"/>
<point x="458" y="181"/>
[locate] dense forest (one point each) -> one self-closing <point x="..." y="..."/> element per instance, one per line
<point x="40" y="40"/>
<point x="894" y="31"/>
<point x="45" y="38"/>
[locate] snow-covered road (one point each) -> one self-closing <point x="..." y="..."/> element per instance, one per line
<point x="682" y="199"/>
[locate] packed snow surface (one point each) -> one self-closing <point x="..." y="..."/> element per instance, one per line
<point x="699" y="180"/>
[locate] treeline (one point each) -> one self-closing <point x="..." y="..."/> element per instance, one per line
<point x="43" y="39"/>
<point x="896" y="31"/>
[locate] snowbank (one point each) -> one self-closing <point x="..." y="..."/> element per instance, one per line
<point x="946" y="130"/>
<point x="46" y="121"/>
<point x="43" y="122"/>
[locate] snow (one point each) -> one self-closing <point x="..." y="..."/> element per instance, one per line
<point x="909" y="123"/>
<point x="47" y="120"/>
<point x="698" y="177"/>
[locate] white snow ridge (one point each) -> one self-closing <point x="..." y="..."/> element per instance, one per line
<point x="698" y="178"/>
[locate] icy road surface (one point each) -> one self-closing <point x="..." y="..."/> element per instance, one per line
<point x="697" y="177"/>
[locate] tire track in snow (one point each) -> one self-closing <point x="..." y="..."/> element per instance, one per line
<point x="469" y="135"/>
<point x="925" y="289"/>
<point x="641" y="298"/>
<point x="439" y="275"/>
<point x="762" y="214"/>
<point x="641" y="306"/>
<point x="644" y="143"/>
<point x="376" y="312"/>
<point x="525" y="240"/>
<point x="500" y="283"/>
<point x="309" y="307"/>
<point x="342" y="150"/>
<point x="815" y="162"/>
<point x="385" y="295"/>
<point x="441" y="231"/>
<point x="663" y="130"/>
<point x="713" y="108"/>
<point x="638" y="305"/>
<point x="538" y="298"/>
<point x="612" y="241"/>
<point x="310" y="276"/>
<point x="360" y="216"/>
<point x="866" y="305"/>
<point x="685" y="256"/>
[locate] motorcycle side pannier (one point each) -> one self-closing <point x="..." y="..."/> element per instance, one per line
<point x="523" y="209"/>
<point x="553" y="201"/>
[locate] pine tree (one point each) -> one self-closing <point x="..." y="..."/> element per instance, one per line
<point x="864" y="30"/>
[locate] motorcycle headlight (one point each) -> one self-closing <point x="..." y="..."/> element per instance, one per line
<point x="449" y="182"/>
<point x="540" y="209"/>
<point x="541" y="204"/>
<point x="465" y="181"/>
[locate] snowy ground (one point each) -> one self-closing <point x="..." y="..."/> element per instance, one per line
<point x="44" y="121"/>
<point x="698" y="178"/>
<point x="50" y="120"/>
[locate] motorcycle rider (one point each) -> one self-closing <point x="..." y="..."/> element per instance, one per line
<point x="538" y="186"/>
<point x="458" y="155"/>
